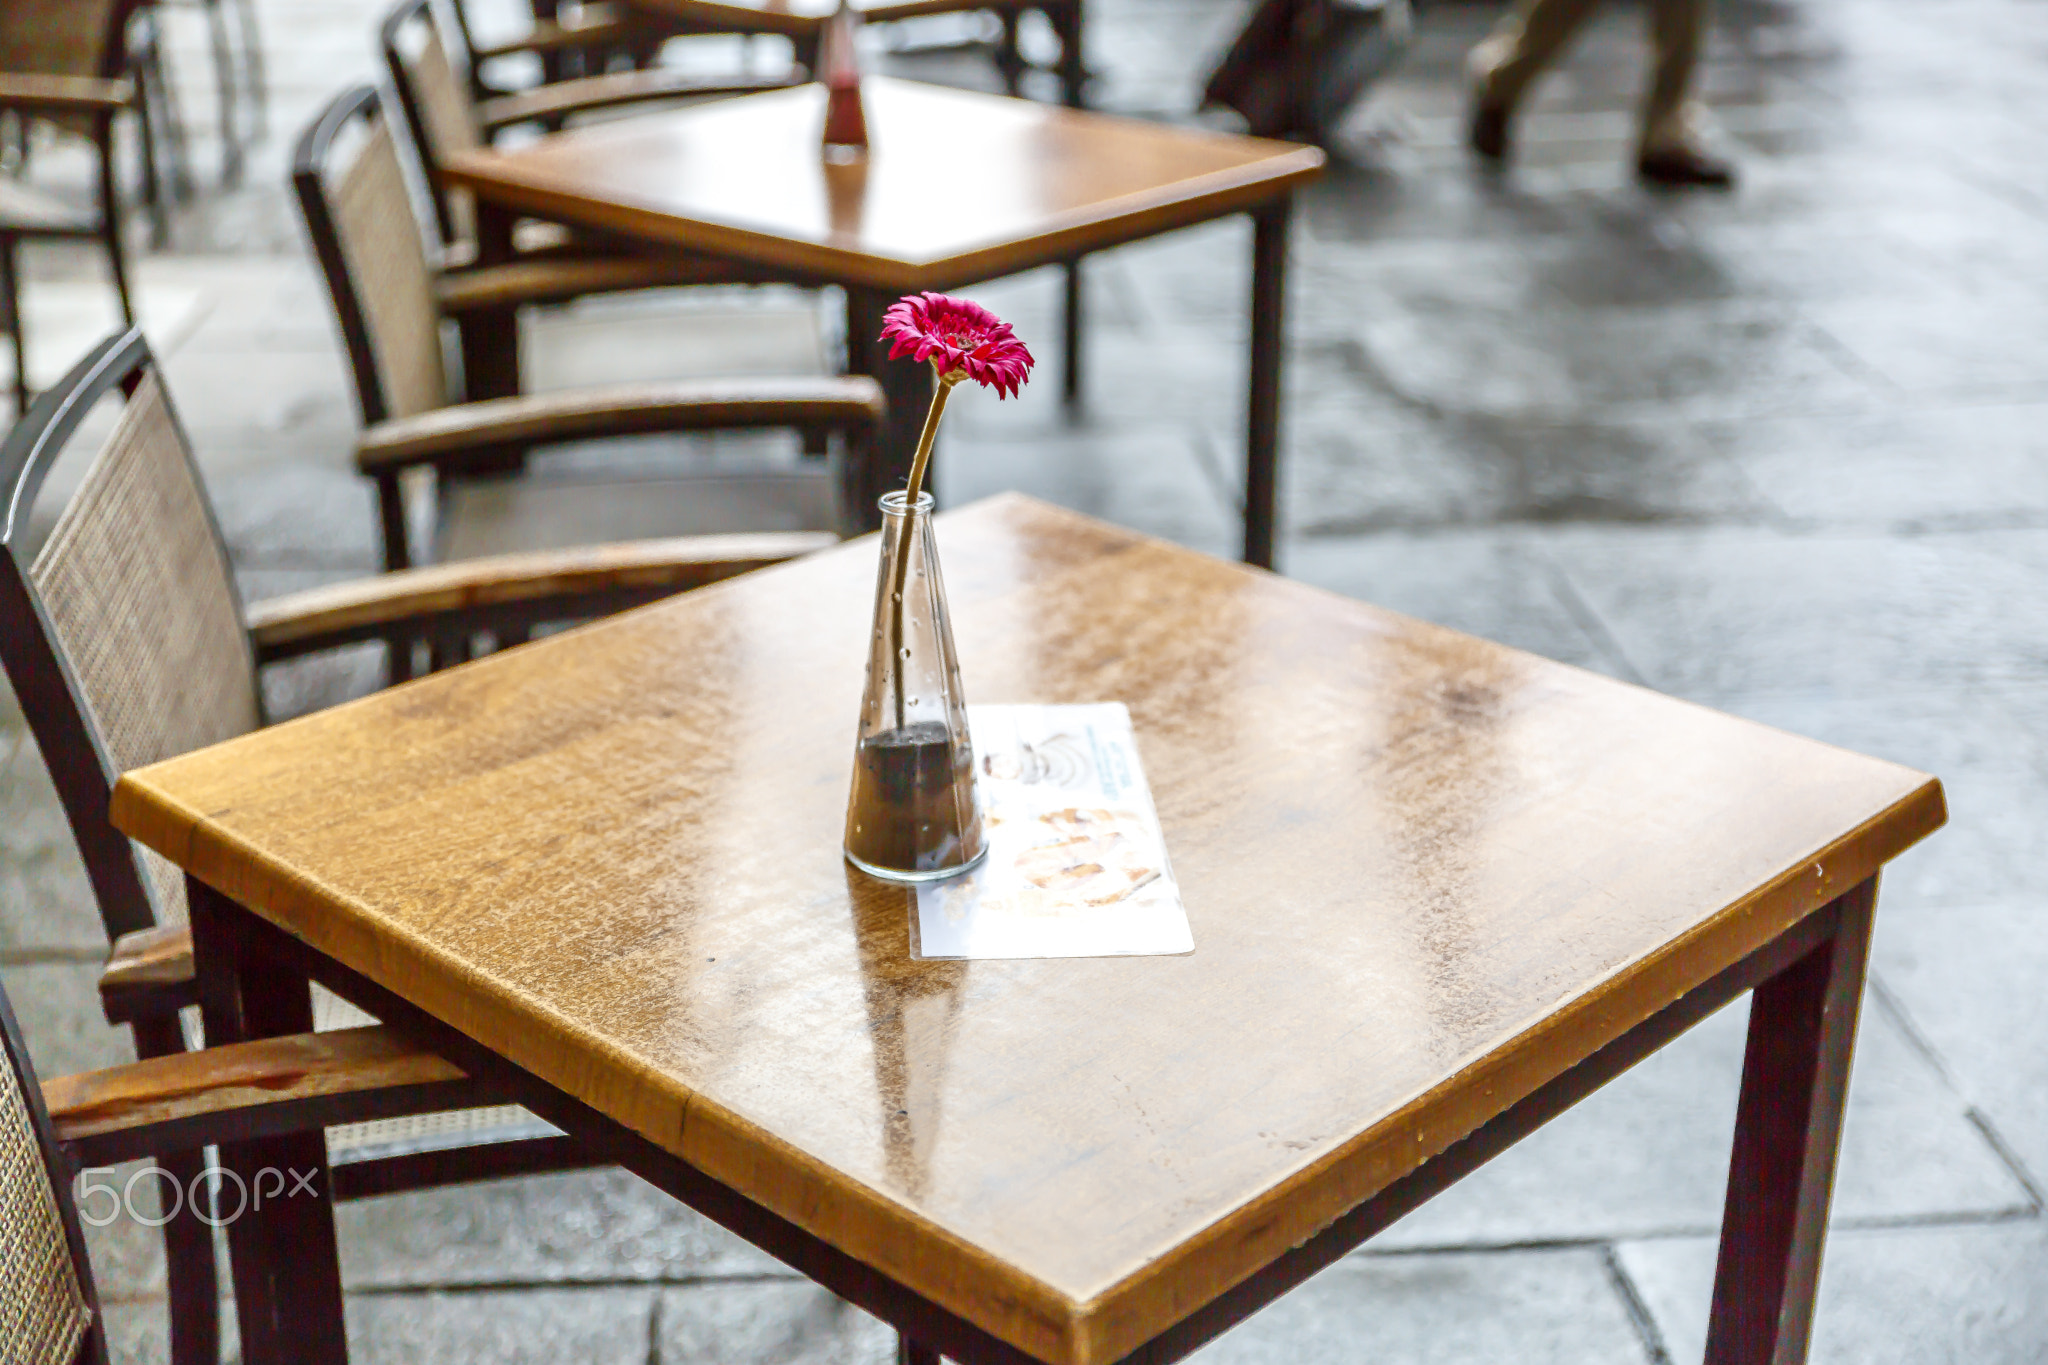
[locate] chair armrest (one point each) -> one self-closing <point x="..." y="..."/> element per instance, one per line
<point x="63" y="94"/>
<point x="559" y="278"/>
<point x="609" y="91"/>
<point x="549" y="585"/>
<point x="471" y="432"/>
<point x="149" y="975"/>
<point x="241" y="1091"/>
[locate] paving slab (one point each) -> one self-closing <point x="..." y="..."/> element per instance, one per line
<point x="1907" y="470"/>
<point x="1969" y="979"/>
<point x="584" y="1227"/>
<point x="1648" y="1155"/>
<point x="1984" y="745"/>
<point x="1155" y="479"/>
<point x="298" y="515"/>
<point x="1697" y="360"/>
<point x="58" y="1006"/>
<point x="46" y="903"/>
<point x="1713" y="612"/>
<point x="522" y="1327"/>
<point x="1966" y="345"/>
<point x="1524" y="1307"/>
<point x="1946" y="1296"/>
<point x="1479" y="582"/>
<point x="768" y="1322"/>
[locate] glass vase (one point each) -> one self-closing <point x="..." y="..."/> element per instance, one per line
<point x="914" y="814"/>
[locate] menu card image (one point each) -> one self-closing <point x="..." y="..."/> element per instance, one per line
<point x="1076" y="864"/>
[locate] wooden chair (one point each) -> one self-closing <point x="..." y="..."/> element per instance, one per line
<point x="67" y="62"/>
<point x="164" y="1107"/>
<point x="444" y="110"/>
<point x="126" y="641"/>
<point x="587" y="39"/>
<point x="390" y="304"/>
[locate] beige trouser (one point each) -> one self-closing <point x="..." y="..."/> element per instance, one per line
<point x="1508" y="58"/>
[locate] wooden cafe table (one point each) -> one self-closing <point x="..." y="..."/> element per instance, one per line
<point x="1440" y="891"/>
<point x="960" y="188"/>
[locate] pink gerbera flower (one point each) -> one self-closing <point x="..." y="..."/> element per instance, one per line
<point x="962" y="339"/>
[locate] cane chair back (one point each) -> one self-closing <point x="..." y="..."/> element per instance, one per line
<point x="368" y="242"/>
<point x="433" y="82"/>
<point x="124" y="633"/>
<point x="47" y="1304"/>
<point x="124" y="640"/>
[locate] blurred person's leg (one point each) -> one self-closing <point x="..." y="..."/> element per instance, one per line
<point x="1507" y="59"/>
<point x="1671" y="151"/>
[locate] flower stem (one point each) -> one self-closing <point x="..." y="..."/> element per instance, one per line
<point x="896" y="586"/>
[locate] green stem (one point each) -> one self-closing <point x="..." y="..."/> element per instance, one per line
<point x="896" y="586"/>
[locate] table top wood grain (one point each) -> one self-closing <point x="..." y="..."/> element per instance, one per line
<point x="1425" y="874"/>
<point x="958" y="187"/>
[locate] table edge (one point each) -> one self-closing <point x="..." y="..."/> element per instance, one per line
<point x="1074" y="233"/>
<point x="869" y="1225"/>
<point x="1132" y="1312"/>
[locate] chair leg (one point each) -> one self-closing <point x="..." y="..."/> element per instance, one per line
<point x="175" y="147"/>
<point x="224" y="82"/>
<point x="255" y="72"/>
<point x="188" y="1241"/>
<point x="10" y="296"/>
<point x="1067" y="22"/>
<point x="110" y="217"/>
<point x="1071" y="379"/>
<point x="909" y="1352"/>
<point x="1009" y="60"/>
<point x="153" y="194"/>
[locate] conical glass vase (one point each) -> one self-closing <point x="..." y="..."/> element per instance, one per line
<point x="914" y="814"/>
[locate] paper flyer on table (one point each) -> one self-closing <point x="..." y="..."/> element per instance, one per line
<point x="1076" y="865"/>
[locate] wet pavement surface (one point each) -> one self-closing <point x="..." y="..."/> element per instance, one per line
<point x="1782" y="451"/>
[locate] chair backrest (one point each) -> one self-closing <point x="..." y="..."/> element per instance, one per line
<point x="123" y="637"/>
<point x="433" y="81"/>
<point x="49" y="1312"/>
<point x="64" y="37"/>
<point x="368" y="243"/>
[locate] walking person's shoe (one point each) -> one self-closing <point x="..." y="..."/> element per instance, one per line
<point x="1685" y="167"/>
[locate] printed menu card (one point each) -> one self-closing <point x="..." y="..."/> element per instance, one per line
<point x="1076" y="864"/>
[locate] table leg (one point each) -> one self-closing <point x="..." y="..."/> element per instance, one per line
<point x="1066" y="22"/>
<point x="909" y="1352"/>
<point x="907" y="386"/>
<point x="553" y="64"/>
<point x="1009" y="63"/>
<point x="286" y="1266"/>
<point x="1262" y="439"/>
<point x="490" y="336"/>
<point x="1072" y="389"/>
<point x="190" y="1281"/>
<point x="1795" y="1077"/>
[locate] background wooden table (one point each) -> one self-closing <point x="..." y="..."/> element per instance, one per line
<point x="1439" y="890"/>
<point x="960" y="188"/>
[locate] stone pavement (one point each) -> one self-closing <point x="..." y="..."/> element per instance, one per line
<point x="1784" y="452"/>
